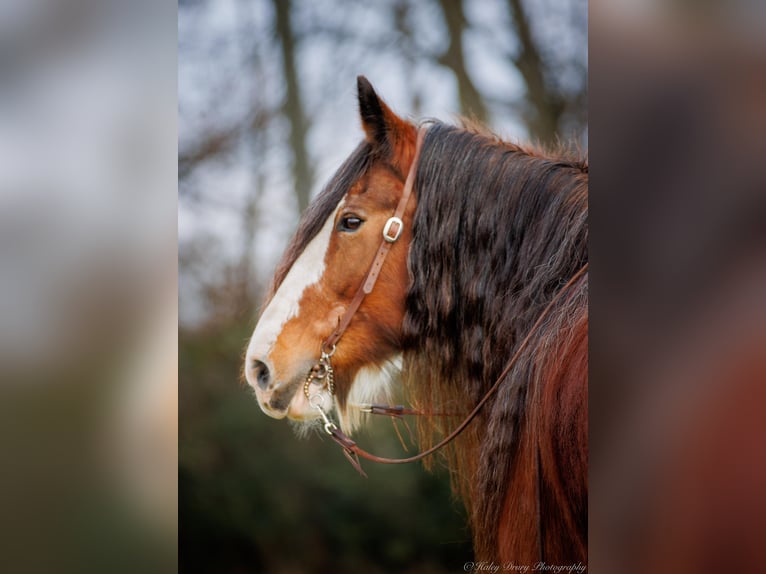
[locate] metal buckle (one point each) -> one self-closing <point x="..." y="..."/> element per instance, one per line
<point x="387" y="229"/>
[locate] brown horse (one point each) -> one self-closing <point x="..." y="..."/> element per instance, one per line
<point x="484" y="262"/>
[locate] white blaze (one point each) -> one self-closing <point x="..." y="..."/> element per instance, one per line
<point x="305" y="272"/>
<point x="371" y="384"/>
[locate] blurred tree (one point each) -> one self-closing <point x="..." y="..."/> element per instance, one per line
<point x="293" y="104"/>
<point x="471" y="102"/>
<point x="545" y="105"/>
<point x="552" y="110"/>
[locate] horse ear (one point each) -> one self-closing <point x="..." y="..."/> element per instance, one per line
<point x="371" y="111"/>
<point x="379" y="122"/>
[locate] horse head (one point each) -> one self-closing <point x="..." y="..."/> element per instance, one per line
<point x="322" y="272"/>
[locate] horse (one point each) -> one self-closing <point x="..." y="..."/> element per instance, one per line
<point x="479" y="300"/>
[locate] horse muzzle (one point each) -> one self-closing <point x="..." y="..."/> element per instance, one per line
<point x="276" y="398"/>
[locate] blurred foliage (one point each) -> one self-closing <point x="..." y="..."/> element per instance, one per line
<point x="253" y="497"/>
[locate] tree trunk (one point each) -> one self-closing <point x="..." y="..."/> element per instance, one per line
<point x="471" y="102"/>
<point x="546" y="108"/>
<point x="293" y="106"/>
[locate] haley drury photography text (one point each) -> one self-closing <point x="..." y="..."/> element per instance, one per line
<point x="494" y="567"/>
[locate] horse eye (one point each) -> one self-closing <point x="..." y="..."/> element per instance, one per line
<point x="349" y="223"/>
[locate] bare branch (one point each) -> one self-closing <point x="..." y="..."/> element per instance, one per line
<point x="219" y="142"/>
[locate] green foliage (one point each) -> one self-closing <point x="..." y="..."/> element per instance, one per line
<point x="255" y="498"/>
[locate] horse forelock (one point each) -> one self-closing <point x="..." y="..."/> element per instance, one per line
<point x="355" y="166"/>
<point x="498" y="230"/>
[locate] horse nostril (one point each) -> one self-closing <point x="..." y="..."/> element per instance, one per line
<point x="260" y="373"/>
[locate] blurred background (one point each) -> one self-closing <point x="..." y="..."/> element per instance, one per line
<point x="267" y="112"/>
<point x="107" y="105"/>
<point x="678" y="276"/>
<point x="88" y="348"/>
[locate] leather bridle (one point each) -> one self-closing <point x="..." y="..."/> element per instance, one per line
<point x="322" y="371"/>
<point x="392" y="230"/>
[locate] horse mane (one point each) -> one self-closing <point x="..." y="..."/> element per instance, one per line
<point x="498" y="230"/>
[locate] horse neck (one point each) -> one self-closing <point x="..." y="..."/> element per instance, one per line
<point x="496" y="233"/>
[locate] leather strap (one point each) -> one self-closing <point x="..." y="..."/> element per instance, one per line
<point x="391" y="232"/>
<point x="401" y="410"/>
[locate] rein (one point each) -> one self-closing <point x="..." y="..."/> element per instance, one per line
<point x="354" y="451"/>
<point x="322" y="372"/>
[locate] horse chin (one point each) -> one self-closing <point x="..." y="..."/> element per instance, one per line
<point x="298" y="410"/>
<point x="301" y="410"/>
<point x="273" y="413"/>
<point x="304" y="419"/>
